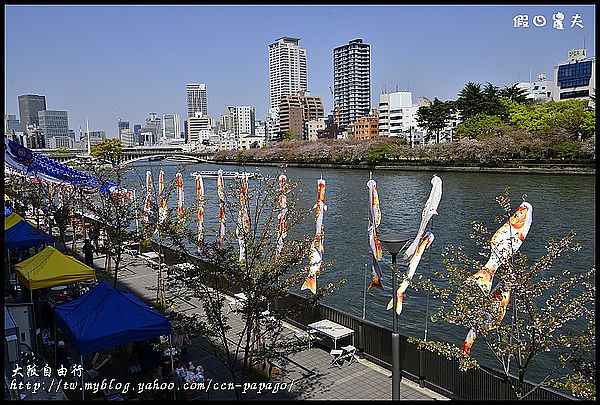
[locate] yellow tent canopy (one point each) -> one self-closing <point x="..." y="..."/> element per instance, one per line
<point x="12" y="220"/>
<point x="50" y="268"/>
<point x="6" y="198"/>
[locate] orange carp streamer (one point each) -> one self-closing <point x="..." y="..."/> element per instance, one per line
<point x="317" y="246"/>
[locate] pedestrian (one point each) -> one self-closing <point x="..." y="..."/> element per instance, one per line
<point x="94" y="235"/>
<point x="88" y="251"/>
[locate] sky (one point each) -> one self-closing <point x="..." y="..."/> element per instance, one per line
<point x="107" y="62"/>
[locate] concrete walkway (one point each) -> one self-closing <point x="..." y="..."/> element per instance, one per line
<point x="309" y="374"/>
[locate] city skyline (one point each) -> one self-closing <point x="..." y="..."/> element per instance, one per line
<point x="105" y="65"/>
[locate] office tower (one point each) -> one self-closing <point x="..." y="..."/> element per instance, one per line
<point x="127" y="138"/>
<point x="11" y="123"/>
<point x="576" y="77"/>
<point x="295" y="111"/>
<point x="137" y="134"/>
<point x="196" y="99"/>
<point x="53" y="123"/>
<point x="287" y="69"/>
<point x="122" y="125"/>
<point x="29" y="106"/>
<point x="153" y="126"/>
<point x="171" y="127"/>
<point x="352" y="81"/>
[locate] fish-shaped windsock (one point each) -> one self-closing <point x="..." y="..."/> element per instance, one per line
<point x="317" y="246"/>
<point x="429" y="210"/>
<point x="374" y="221"/>
<point x="505" y="242"/>
<point x="282" y="216"/>
<point x="243" y="220"/>
<point x="500" y="299"/>
<point x="200" y="214"/>
<point x="148" y="204"/>
<point x="180" y="194"/>
<point x="412" y="267"/>
<point x="221" y="194"/>
<point x="162" y="201"/>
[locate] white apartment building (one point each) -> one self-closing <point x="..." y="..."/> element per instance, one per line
<point x="312" y="127"/>
<point x="287" y="69"/>
<point x="244" y="122"/>
<point x="199" y="128"/>
<point x="540" y="90"/>
<point x="397" y="114"/>
<point x="196" y="99"/>
<point x="228" y="141"/>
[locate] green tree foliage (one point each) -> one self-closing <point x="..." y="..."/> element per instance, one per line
<point x="109" y="150"/>
<point x="572" y="115"/>
<point x="436" y="116"/>
<point x="471" y="101"/>
<point x="514" y="93"/>
<point x="480" y="126"/>
<point x="62" y="150"/>
<point x="554" y="314"/>
<point x="491" y="100"/>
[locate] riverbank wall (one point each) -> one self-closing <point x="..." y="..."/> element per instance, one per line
<point x="530" y="169"/>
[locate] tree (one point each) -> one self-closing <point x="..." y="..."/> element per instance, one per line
<point x="491" y="100"/>
<point x="553" y="314"/>
<point x="514" y="93"/>
<point x="112" y="204"/>
<point x="479" y="127"/>
<point x="258" y="269"/>
<point x="470" y="101"/>
<point x="436" y="116"/>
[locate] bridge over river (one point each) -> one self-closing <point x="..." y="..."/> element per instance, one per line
<point x="131" y="155"/>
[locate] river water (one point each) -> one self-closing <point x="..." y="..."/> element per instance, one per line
<point x="560" y="203"/>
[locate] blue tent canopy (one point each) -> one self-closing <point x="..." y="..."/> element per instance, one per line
<point x="7" y="211"/>
<point x="23" y="235"/>
<point x="105" y="317"/>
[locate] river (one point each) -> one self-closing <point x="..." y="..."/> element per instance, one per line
<point x="560" y="203"/>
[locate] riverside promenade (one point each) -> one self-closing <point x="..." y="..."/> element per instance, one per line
<point x="309" y="374"/>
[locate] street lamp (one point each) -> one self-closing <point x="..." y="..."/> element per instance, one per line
<point x="393" y="243"/>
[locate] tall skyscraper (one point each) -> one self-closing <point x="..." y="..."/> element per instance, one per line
<point x="171" y="127"/>
<point x="352" y="80"/>
<point x="29" y="106"/>
<point x="53" y="123"/>
<point x="287" y="69"/>
<point x="196" y="99"/>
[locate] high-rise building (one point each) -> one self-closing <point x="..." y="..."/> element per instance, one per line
<point x="244" y="120"/>
<point x="352" y="80"/>
<point x="137" y="134"/>
<point x="295" y="111"/>
<point x="29" y="106"/>
<point x="287" y="69"/>
<point x="227" y="120"/>
<point x="127" y="138"/>
<point x="196" y="99"/>
<point x="576" y="77"/>
<point x="122" y="125"/>
<point x="11" y="123"/>
<point x="171" y="127"/>
<point x="53" y="123"/>
<point x="153" y="126"/>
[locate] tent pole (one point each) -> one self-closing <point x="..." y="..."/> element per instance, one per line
<point x="172" y="366"/>
<point x="82" y="385"/>
<point x="55" y="357"/>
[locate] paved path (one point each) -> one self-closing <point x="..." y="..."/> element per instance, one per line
<point x="309" y="375"/>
